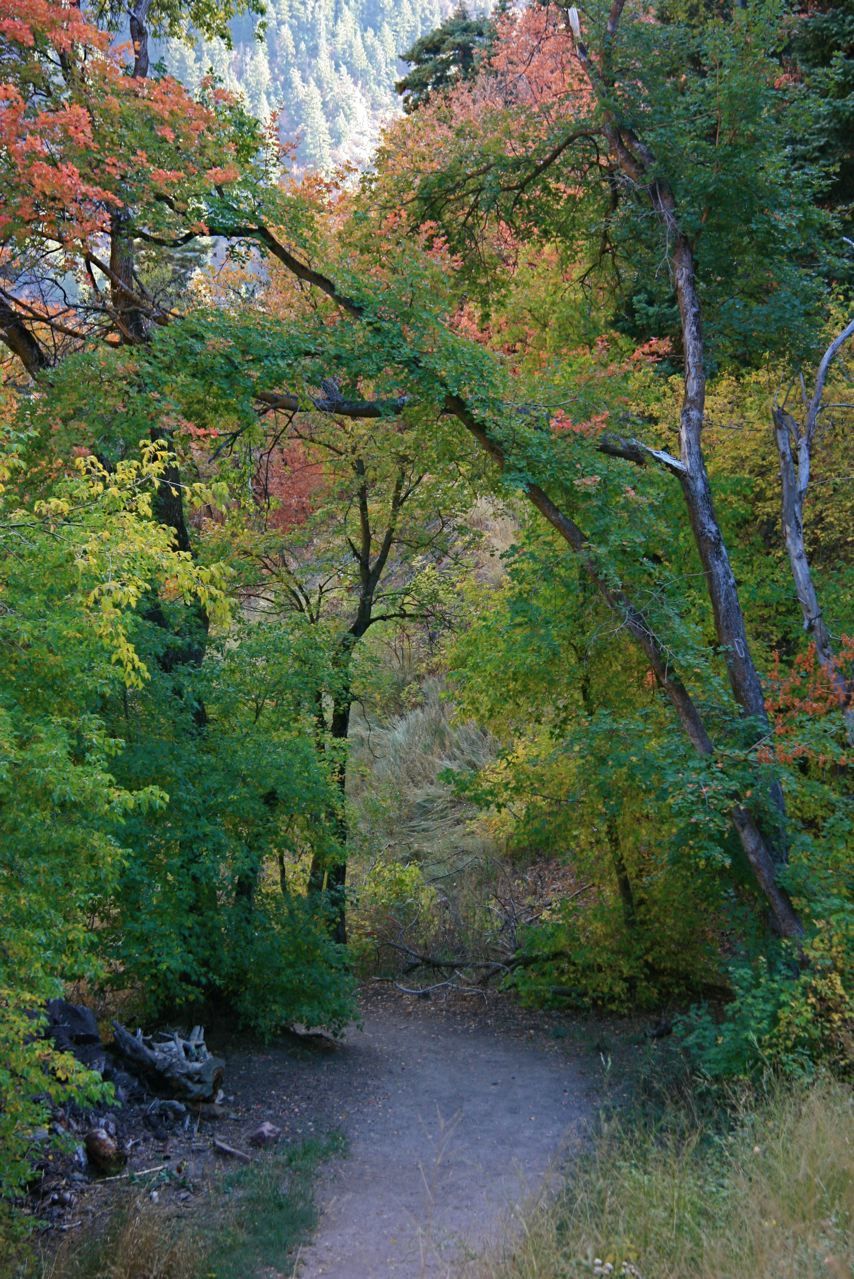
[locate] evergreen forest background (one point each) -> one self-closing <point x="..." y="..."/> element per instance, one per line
<point x="326" y="68"/>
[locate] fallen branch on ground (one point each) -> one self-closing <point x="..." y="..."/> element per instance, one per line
<point x="224" y="1149"/>
<point x="140" y="1172"/>
<point x="424" y="992"/>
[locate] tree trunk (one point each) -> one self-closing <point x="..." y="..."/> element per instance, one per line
<point x="247" y="881"/>
<point x="21" y="342"/>
<point x="139" y="37"/>
<point x="325" y="876"/>
<point x="130" y="318"/>
<point x="720" y="580"/>
<point x="612" y="829"/>
<point x="794" y="481"/>
<point x="329" y="877"/>
<point x="624" y="883"/>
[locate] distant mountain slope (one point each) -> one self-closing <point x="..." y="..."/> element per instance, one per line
<point x="328" y="67"/>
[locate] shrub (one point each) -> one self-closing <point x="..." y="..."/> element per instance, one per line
<point x="282" y="967"/>
<point x="393" y="899"/>
<point x="73" y="571"/>
<point x="781" y="1017"/>
<point x="584" y="951"/>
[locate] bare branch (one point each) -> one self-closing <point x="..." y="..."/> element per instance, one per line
<point x="821" y="377"/>
<point x="636" y="451"/>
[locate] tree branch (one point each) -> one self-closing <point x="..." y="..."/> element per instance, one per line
<point x="821" y="377"/>
<point x="15" y="334"/>
<point x="275" y="401"/>
<point x="636" y="451"/>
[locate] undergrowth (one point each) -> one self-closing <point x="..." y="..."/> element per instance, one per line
<point x="760" y="1190"/>
<point x="257" y="1217"/>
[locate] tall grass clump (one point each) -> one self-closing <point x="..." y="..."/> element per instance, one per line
<point x="766" y="1195"/>
<point x="421" y="859"/>
<point x="138" y="1241"/>
<point x="403" y="801"/>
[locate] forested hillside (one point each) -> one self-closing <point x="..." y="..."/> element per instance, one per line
<point x="326" y="68"/>
<point x="444" y="586"/>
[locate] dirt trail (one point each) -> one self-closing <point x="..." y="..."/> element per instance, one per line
<point x="451" y="1121"/>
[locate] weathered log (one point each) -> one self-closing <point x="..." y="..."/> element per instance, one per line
<point x="181" y="1067"/>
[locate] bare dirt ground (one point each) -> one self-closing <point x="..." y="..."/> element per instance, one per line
<point x="454" y="1115"/>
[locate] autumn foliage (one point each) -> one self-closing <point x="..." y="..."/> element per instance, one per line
<point x="292" y="463"/>
<point x="82" y="140"/>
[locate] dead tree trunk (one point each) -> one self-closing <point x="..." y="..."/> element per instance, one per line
<point x="794" y="442"/>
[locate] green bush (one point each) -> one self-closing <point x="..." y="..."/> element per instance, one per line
<point x="584" y="951"/>
<point x="782" y="1016"/>
<point x="210" y="904"/>
<point x="282" y="967"/>
<point x="73" y="570"/>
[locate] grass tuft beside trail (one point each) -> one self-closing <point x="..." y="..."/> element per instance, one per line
<point x="270" y="1211"/>
<point x="767" y="1195"/>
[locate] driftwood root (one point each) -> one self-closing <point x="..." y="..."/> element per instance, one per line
<point x="182" y="1068"/>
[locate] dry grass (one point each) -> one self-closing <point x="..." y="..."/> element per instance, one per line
<point x="768" y="1198"/>
<point x="407" y="813"/>
<point x="140" y="1242"/>
<point x="402" y="802"/>
<point x="250" y="1222"/>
